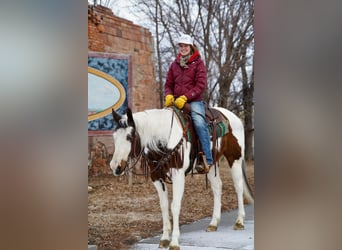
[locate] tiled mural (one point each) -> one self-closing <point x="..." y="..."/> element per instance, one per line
<point x="100" y="92"/>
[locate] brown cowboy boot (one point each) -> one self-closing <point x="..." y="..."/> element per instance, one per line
<point x="206" y="165"/>
<point x="203" y="169"/>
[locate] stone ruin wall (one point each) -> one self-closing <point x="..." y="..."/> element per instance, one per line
<point x="108" y="33"/>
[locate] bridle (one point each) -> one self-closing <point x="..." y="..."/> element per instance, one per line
<point x="137" y="153"/>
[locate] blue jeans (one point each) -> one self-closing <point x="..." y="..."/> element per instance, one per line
<point x="201" y="128"/>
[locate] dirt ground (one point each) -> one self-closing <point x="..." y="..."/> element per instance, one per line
<point x="120" y="215"/>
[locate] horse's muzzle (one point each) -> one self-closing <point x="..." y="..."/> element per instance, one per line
<point x="120" y="169"/>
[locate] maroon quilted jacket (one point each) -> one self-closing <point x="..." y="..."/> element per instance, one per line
<point x="190" y="81"/>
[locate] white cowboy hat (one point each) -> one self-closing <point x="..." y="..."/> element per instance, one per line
<point x="186" y="39"/>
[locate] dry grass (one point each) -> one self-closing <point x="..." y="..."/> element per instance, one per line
<point x="120" y="215"/>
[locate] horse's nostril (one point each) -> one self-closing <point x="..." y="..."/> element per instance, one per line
<point x="118" y="170"/>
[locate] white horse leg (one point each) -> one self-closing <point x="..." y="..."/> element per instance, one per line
<point x="178" y="179"/>
<point x="164" y="205"/>
<point x="216" y="186"/>
<point x="237" y="176"/>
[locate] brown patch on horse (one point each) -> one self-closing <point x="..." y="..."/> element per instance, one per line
<point x="230" y="147"/>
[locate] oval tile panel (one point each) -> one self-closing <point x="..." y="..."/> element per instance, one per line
<point x="104" y="93"/>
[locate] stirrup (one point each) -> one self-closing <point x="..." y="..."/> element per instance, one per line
<point x="200" y="169"/>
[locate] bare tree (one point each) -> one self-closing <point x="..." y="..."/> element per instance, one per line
<point x="105" y="3"/>
<point x="224" y="33"/>
<point x="248" y="111"/>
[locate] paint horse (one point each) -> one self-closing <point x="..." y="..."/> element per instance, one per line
<point x="157" y="136"/>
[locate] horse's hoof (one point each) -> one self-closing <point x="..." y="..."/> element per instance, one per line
<point x="238" y="226"/>
<point x="211" y="228"/>
<point x="164" y="243"/>
<point x="174" y="248"/>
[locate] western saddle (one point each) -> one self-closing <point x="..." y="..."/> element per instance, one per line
<point x="217" y="124"/>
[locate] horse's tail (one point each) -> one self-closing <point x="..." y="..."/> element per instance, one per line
<point x="247" y="191"/>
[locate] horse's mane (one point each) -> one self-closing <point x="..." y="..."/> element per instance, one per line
<point x="154" y="125"/>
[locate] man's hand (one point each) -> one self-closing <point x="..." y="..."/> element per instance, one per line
<point x="180" y="101"/>
<point x="169" y="100"/>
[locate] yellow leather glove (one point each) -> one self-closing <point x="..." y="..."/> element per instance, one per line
<point x="180" y="101"/>
<point x="169" y="99"/>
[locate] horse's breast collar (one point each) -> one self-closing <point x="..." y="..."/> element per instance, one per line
<point x="184" y="120"/>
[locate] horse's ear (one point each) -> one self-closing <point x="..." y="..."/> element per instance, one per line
<point x="130" y="120"/>
<point x="116" y="116"/>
